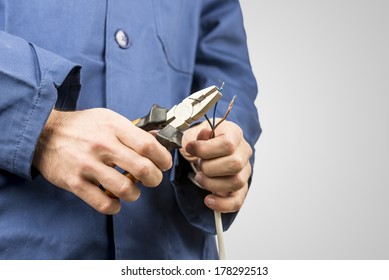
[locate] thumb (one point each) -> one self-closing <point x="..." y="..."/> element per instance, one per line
<point x="204" y="134"/>
<point x="199" y="132"/>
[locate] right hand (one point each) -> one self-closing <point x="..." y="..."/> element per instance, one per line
<point x="77" y="151"/>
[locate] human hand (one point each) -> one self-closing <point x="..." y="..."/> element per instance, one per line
<point x="78" y="151"/>
<point x="222" y="162"/>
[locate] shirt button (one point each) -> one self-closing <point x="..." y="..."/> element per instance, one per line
<point x="122" y="39"/>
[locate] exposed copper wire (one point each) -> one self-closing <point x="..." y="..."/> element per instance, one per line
<point x="224" y="117"/>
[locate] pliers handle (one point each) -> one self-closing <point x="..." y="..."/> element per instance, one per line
<point x="167" y="135"/>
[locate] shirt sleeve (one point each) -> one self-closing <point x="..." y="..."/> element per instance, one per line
<point x="33" y="81"/>
<point x="222" y="56"/>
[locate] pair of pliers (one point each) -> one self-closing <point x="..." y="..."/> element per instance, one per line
<point x="171" y="123"/>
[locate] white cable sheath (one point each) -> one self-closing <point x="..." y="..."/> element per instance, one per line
<point x="219" y="234"/>
<point x="218" y="219"/>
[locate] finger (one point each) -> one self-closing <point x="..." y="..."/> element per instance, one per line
<point x="204" y="134"/>
<point x="224" y="183"/>
<point x="229" y="165"/>
<point x="187" y="156"/>
<point x="146" y="145"/>
<point x="117" y="183"/>
<point x="138" y="166"/>
<point x="227" y="204"/>
<point x="94" y="196"/>
<point x="153" y="132"/>
<point x="190" y="135"/>
<point x="221" y="145"/>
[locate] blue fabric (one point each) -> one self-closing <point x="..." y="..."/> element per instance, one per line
<point x="63" y="54"/>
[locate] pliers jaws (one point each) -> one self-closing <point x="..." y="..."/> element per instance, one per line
<point x="172" y="122"/>
<point x="192" y="108"/>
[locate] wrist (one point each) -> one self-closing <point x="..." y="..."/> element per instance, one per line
<point x="45" y="136"/>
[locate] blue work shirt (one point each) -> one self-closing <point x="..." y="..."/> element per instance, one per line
<point x="70" y="55"/>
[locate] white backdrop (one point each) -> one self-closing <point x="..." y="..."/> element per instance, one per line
<point x="320" y="188"/>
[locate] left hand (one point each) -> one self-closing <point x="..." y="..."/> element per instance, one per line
<point x="222" y="162"/>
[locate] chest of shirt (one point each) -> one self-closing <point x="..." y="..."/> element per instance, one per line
<point x="128" y="50"/>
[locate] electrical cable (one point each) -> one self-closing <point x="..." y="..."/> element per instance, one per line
<point x="217" y="214"/>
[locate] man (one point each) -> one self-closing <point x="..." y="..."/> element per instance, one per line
<point x="72" y="76"/>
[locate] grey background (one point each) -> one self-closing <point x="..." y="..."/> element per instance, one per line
<point x="321" y="179"/>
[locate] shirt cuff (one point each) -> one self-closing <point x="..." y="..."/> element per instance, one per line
<point x="59" y="88"/>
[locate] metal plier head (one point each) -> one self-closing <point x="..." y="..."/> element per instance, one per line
<point x="172" y="122"/>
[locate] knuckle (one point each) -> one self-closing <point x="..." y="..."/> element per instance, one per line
<point x="237" y="130"/>
<point x="74" y="184"/>
<point x="229" y="145"/>
<point x="142" y="169"/>
<point x="105" y="207"/>
<point x="107" y="117"/>
<point x="249" y="170"/>
<point x="87" y="167"/>
<point x="124" y="187"/>
<point x="236" y="164"/>
<point x="249" y="149"/>
<point x="147" y="146"/>
<point x="238" y="182"/>
<point x="99" y="146"/>
<point x="237" y="204"/>
<point x="113" y="126"/>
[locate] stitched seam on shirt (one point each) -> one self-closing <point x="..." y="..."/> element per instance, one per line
<point x="39" y="75"/>
<point x="167" y="56"/>
<point x="24" y="130"/>
<point x="162" y="41"/>
<point x="37" y="66"/>
<point x="31" y="114"/>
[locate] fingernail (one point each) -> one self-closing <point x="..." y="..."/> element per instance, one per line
<point x="166" y="169"/>
<point x="189" y="149"/>
<point x="198" y="177"/>
<point x="209" y="201"/>
<point x="135" y="195"/>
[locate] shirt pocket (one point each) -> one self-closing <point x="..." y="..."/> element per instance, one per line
<point x="177" y="25"/>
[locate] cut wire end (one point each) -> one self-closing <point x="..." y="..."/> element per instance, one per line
<point x="221" y="88"/>
<point x="224" y="117"/>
